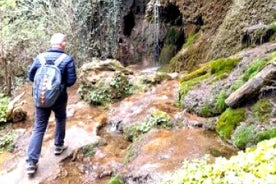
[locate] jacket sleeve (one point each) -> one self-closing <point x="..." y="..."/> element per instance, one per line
<point x="71" y="73"/>
<point x="31" y="73"/>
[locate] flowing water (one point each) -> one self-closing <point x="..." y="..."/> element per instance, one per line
<point x="156" y="152"/>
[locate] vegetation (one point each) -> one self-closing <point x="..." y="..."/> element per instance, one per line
<point x="223" y="66"/>
<point x="157" y="119"/>
<point x="255" y="165"/>
<point x="7" y="141"/>
<point x="130" y="154"/>
<point x="118" y="88"/>
<point x="197" y="73"/>
<point x="266" y="134"/>
<point x="261" y="110"/>
<point x="115" y="180"/>
<point x="190" y="40"/>
<point x="272" y="26"/>
<point x="186" y="86"/>
<point x="228" y="121"/>
<point x="253" y="69"/>
<point x="4" y="101"/>
<point x="244" y="136"/>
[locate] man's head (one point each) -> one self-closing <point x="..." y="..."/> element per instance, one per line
<point x="58" y="40"/>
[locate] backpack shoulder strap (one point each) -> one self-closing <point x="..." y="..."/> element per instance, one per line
<point x="60" y="59"/>
<point x="41" y="59"/>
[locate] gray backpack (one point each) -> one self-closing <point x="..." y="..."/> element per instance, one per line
<point x="47" y="82"/>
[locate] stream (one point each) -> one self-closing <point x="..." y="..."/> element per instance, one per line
<point x="102" y="151"/>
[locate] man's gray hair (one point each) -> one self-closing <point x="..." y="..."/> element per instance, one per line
<point x="57" y="39"/>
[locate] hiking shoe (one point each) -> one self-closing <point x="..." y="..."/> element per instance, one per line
<point x="31" y="168"/>
<point x="59" y="149"/>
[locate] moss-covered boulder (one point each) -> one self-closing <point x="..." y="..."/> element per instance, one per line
<point x="228" y="121"/>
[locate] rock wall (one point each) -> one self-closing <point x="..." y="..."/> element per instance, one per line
<point x="242" y="15"/>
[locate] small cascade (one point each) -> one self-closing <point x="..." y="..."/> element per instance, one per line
<point x="156" y="14"/>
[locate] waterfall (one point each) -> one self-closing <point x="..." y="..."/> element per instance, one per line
<point x="156" y="32"/>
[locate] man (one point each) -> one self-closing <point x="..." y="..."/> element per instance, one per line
<point x="69" y="77"/>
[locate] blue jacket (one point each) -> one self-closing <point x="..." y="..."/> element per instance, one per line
<point x="67" y="68"/>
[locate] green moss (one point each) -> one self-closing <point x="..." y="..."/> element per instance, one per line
<point x="220" y="104"/>
<point x="210" y="110"/>
<point x="167" y="52"/>
<point x="261" y="110"/>
<point x="157" y="119"/>
<point x="272" y="26"/>
<point x="116" y="180"/>
<point x="172" y="36"/>
<point x="199" y="72"/>
<point x="185" y="59"/>
<point x="4" y="101"/>
<point x="190" y="40"/>
<point x="186" y="86"/>
<point x="130" y="154"/>
<point x="7" y="141"/>
<point x="223" y="65"/>
<point x="254" y="68"/>
<point x="272" y="57"/>
<point x="244" y="136"/>
<point x="266" y="134"/>
<point x="237" y="84"/>
<point x="228" y="121"/>
<point x="206" y="110"/>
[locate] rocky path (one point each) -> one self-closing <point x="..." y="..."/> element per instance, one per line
<point x="48" y="165"/>
<point x="82" y="124"/>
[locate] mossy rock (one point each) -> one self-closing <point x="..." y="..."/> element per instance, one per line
<point x="228" y="121"/>
<point x="223" y="65"/>
<point x="167" y="52"/>
<point x="199" y="72"/>
<point x="262" y="109"/>
<point x="266" y="134"/>
<point x="244" y="136"/>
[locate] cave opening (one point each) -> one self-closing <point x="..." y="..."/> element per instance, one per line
<point x="128" y="24"/>
<point x="171" y="14"/>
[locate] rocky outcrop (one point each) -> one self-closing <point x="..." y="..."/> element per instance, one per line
<point x="241" y="16"/>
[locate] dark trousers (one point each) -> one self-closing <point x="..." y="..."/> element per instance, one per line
<point x="40" y="125"/>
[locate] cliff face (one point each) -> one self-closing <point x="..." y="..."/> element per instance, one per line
<point x="244" y="25"/>
<point x="198" y="30"/>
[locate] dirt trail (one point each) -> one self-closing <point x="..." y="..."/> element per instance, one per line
<point x="82" y="124"/>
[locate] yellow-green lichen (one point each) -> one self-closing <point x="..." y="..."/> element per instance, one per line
<point x="228" y="121"/>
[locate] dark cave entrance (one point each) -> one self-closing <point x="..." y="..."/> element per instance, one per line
<point x="128" y="24"/>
